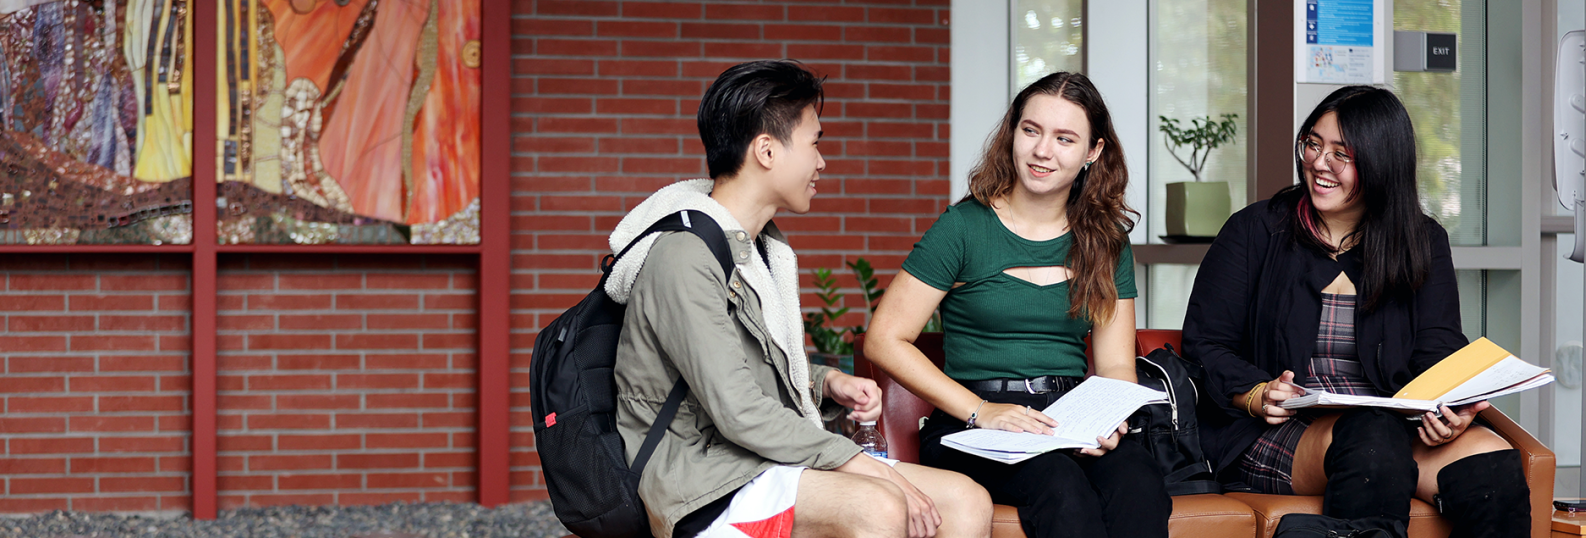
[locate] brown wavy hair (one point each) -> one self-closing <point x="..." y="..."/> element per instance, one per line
<point x="1098" y="214"/>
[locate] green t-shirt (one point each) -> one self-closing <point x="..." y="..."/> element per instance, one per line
<point x="997" y="325"/>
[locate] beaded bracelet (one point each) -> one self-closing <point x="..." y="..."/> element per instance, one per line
<point x="974" y="415"/>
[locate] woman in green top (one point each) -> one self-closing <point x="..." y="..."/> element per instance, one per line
<point x="1035" y="258"/>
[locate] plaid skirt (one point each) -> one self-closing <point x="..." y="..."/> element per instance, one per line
<point x="1268" y="464"/>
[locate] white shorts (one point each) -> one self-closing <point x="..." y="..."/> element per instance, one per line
<point x="763" y="508"/>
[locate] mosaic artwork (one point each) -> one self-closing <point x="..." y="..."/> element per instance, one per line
<point x="349" y="121"/>
<point x="96" y="129"/>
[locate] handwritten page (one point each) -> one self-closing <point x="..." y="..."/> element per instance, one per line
<point x="1093" y="409"/>
<point x="1507" y="373"/>
<point x="1096" y="407"/>
<point x="1508" y="376"/>
<point x="1523" y="386"/>
<point x="1011" y="442"/>
<point x="1321" y="398"/>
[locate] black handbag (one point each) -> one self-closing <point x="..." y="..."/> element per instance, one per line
<point x="1319" y="526"/>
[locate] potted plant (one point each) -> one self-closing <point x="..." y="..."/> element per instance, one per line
<point x="1198" y="208"/>
<point x="834" y="345"/>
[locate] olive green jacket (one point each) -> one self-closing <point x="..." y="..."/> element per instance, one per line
<point x="743" y="413"/>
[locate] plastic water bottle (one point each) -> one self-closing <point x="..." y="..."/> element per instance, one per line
<point x="870" y="440"/>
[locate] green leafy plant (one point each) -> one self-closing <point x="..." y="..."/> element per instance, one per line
<point x="868" y="285"/>
<point x="1202" y="136"/>
<point x="828" y="338"/>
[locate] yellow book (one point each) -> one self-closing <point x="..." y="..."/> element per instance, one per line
<point x="1454" y="371"/>
<point x="1479" y="371"/>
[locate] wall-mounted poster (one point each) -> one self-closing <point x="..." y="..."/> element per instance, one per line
<point x="348" y="121"/>
<point x="1340" y="41"/>
<point x="96" y="128"/>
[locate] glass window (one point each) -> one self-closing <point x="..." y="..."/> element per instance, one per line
<point x="1198" y="70"/>
<point x="1566" y="350"/>
<point x="1449" y="113"/>
<point x="1490" y="306"/>
<point x="1048" y="36"/>
<point x="1169" y="286"/>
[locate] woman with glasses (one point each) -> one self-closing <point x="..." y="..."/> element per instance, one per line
<point x="1342" y="283"/>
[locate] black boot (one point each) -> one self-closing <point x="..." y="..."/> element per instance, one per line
<point x="1370" y="469"/>
<point x="1485" y="496"/>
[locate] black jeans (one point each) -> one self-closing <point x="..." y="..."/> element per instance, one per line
<point x="1061" y="493"/>
<point x="1370" y="466"/>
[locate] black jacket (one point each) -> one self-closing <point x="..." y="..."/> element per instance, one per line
<point x="1256" y="308"/>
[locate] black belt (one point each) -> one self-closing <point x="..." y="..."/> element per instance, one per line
<point x="1034" y="385"/>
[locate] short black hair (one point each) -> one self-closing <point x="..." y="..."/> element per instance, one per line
<point x="750" y="99"/>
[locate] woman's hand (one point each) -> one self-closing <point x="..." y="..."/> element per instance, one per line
<point x="1434" y="432"/>
<point x="1014" y="418"/>
<point x="1107" y="443"/>
<point x="857" y="393"/>
<point x="1267" y="405"/>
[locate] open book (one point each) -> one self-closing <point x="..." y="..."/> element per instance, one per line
<point x="1477" y="372"/>
<point x="1093" y="409"/>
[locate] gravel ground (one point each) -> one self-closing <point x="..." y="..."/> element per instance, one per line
<point x="397" y="520"/>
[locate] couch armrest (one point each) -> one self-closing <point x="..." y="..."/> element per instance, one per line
<point x="1538" y="462"/>
<point x="901" y="410"/>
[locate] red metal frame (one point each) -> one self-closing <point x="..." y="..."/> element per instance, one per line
<point x="494" y="253"/>
<point x="354" y="249"/>
<point x="40" y="249"/>
<point x="204" y="483"/>
<point x="495" y="259"/>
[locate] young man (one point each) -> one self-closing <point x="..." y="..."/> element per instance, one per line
<point x="747" y="446"/>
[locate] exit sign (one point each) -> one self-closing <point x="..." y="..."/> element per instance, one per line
<point x="1425" y="51"/>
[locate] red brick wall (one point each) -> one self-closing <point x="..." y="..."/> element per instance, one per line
<point x="604" y="97"/>
<point x="95" y="384"/>
<point x="350" y="379"/>
<point x="346" y="379"/>
<point x="342" y="379"/>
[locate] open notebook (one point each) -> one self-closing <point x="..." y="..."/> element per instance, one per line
<point x="1093" y="409"/>
<point x="1477" y="372"/>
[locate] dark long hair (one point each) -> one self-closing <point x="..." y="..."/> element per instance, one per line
<point x="1392" y="237"/>
<point x="1098" y="213"/>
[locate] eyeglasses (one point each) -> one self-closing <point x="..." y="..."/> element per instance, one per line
<point x="1336" y="161"/>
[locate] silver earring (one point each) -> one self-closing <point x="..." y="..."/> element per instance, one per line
<point x="1087" y="166"/>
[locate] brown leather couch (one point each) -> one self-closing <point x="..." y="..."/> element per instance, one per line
<point x="1228" y="515"/>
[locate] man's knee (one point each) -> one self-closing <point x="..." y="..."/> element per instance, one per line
<point x="878" y="509"/>
<point x="848" y="506"/>
<point x="965" y="499"/>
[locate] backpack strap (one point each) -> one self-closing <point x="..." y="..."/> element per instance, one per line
<point x="1179" y="482"/>
<point x="663" y="420"/>
<point x="704" y="227"/>
<point x="687" y="220"/>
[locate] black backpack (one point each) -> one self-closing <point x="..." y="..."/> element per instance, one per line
<point x="573" y="396"/>
<point x="1169" y="431"/>
<point x="1319" y="526"/>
